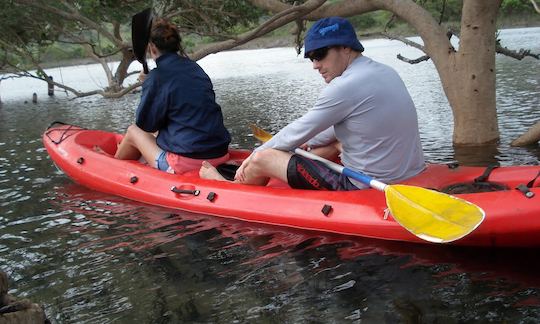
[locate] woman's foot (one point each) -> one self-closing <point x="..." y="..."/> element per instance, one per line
<point x="208" y="171"/>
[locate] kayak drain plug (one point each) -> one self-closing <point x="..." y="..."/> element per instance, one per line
<point x="185" y="191"/>
<point x="80" y="160"/>
<point x="326" y="210"/>
<point x="133" y="179"/>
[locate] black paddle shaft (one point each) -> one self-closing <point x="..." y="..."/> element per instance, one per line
<point x="141" y="24"/>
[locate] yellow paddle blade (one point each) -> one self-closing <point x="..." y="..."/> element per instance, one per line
<point x="260" y="133"/>
<point x="431" y="215"/>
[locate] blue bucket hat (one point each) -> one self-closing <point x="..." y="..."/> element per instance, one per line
<point x="331" y="31"/>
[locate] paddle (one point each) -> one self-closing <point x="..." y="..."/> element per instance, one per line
<point x="431" y="215"/>
<point x="141" y="24"/>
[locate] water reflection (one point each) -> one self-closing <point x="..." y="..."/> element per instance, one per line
<point x="485" y="155"/>
<point x="130" y="261"/>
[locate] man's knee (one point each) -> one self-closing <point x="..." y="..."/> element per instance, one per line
<point x="260" y="159"/>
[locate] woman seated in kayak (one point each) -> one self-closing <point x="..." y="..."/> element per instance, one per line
<point x="178" y="103"/>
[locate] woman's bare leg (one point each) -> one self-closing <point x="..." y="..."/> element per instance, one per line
<point x="137" y="142"/>
<point x="208" y="171"/>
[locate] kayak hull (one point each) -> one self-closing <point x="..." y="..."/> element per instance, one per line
<point x="512" y="219"/>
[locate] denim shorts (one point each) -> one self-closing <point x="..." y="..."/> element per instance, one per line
<point x="161" y="161"/>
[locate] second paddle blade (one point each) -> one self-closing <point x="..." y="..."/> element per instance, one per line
<point x="260" y="133"/>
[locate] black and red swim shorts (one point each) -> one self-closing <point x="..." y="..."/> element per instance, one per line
<point x="304" y="173"/>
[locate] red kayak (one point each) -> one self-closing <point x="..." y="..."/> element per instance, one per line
<point x="512" y="216"/>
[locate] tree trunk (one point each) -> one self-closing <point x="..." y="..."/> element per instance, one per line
<point x="122" y="69"/>
<point x="468" y="77"/>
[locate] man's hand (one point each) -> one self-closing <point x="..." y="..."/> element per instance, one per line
<point x="240" y="175"/>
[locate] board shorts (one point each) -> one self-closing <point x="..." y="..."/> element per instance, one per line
<point x="178" y="164"/>
<point x="304" y="173"/>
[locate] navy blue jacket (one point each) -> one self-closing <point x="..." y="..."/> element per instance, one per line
<point x="178" y="100"/>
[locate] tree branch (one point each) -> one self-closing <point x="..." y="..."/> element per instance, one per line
<point x="429" y="30"/>
<point x="300" y="28"/>
<point x="12" y="76"/>
<point x="410" y="43"/>
<point x="405" y="41"/>
<point x="518" y="55"/>
<point x="46" y="79"/>
<point x="389" y="22"/>
<point x="532" y="136"/>
<point x="124" y="91"/>
<point x="411" y="61"/>
<point x="423" y="58"/>
<point x="73" y="15"/>
<point x="443" y="9"/>
<point x="116" y="28"/>
<point x="92" y="46"/>
<point x="282" y="18"/>
<point x="535" y="6"/>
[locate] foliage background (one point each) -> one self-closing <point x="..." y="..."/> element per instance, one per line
<point x="201" y="22"/>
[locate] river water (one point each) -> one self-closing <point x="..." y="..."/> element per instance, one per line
<point x="89" y="257"/>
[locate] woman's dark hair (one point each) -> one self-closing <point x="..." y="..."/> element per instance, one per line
<point x="166" y="37"/>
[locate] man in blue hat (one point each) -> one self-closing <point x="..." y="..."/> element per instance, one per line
<point x="365" y="115"/>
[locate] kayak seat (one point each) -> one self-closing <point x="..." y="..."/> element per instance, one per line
<point x="228" y="171"/>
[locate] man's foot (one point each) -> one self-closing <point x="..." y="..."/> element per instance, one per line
<point x="208" y="171"/>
